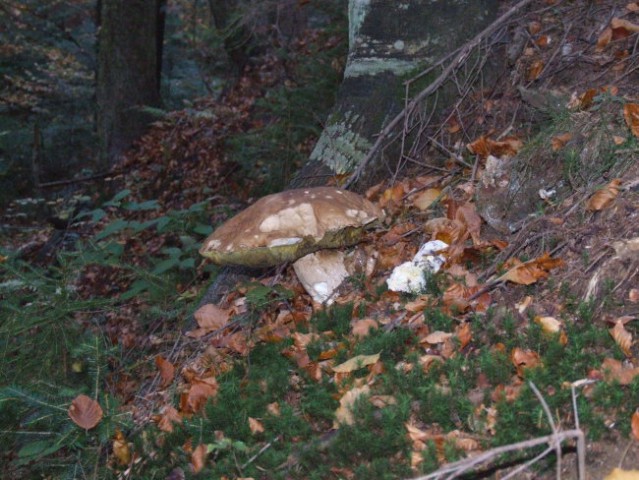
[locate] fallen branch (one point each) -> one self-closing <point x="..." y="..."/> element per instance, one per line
<point x="554" y="440"/>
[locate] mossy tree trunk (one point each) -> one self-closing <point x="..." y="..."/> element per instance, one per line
<point x="389" y="42"/>
<point x="129" y="67"/>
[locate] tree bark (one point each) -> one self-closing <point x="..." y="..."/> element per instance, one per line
<point x="129" y="66"/>
<point x="389" y="42"/>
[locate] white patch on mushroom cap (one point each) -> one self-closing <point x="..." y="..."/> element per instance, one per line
<point x="300" y="217"/>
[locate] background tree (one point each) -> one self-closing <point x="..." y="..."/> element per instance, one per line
<point x="129" y="66"/>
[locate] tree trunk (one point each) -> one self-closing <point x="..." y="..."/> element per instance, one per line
<point x="129" y="63"/>
<point x="389" y="42"/>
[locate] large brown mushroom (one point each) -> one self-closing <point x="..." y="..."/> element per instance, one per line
<point x="290" y="225"/>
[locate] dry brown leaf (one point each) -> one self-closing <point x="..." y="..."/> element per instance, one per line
<point x="634" y="424"/>
<point x="382" y="401"/>
<point x="632" y="7"/>
<point x="425" y="199"/>
<point x="622" y="337"/>
<point x="167" y="370"/>
<point x="121" y="449"/>
<point x="209" y="318"/>
<point x="548" y="324"/>
<point x="437" y="337"/>
<point x="464" y="334"/>
<point x="559" y="141"/>
<point x="543" y="41"/>
<point x="619" y="474"/>
<point x="535" y="70"/>
<point x="274" y="409"/>
<point x="523" y="359"/>
<point x="355" y="363"/>
<point x="447" y="230"/>
<point x="614" y="370"/>
<point x="255" y="426"/>
<point x="361" y="328"/>
<point x="201" y="390"/>
<point x="467" y="215"/>
<point x="167" y="418"/>
<point x="85" y="412"/>
<point x="344" y="414"/>
<point x="604" y="39"/>
<point x="633" y="295"/>
<point x="631" y="116"/>
<point x="622" y="23"/>
<point x="198" y="457"/>
<point x="529" y="272"/>
<point x="603" y="198"/>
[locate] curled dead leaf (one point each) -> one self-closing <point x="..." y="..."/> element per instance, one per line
<point x="529" y="272"/>
<point x="85" y="412"/>
<point x="614" y="370"/>
<point x="344" y="414"/>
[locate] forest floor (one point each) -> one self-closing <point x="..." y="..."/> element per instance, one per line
<point x="534" y="185"/>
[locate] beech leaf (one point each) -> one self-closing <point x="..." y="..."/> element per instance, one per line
<point x="529" y="272"/>
<point x="603" y="198"/>
<point x="85" y="412"/>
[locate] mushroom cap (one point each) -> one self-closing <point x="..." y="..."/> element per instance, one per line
<point x="285" y="226"/>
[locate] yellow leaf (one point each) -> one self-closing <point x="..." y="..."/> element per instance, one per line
<point x="355" y="363"/>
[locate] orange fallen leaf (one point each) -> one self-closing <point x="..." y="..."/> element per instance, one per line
<point x="167" y="370"/>
<point x="209" y="318"/>
<point x="198" y="457"/>
<point x="634" y="423"/>
<point x="621" y="336"/>
<point x="631" y="116"/>
<point x="529" y="272"/>
<point x="85" y="412"/>
<point x="604" y="39"/>
<point x="603" y="198"/>
<point x="614" y="370"/>
<point x="255" y="426"/>
<point x="169" y="415"/>
<point x="200" y="391"/>
<point x="559" y="141"/>
<point x="535" y="70"/>
<point x="425" y="199"/>
<point x="524" y="359"/>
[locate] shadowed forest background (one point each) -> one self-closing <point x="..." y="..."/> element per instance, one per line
<point x="130" y="130"/>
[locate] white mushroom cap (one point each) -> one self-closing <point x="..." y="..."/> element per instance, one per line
<point x="286" y="226"/>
